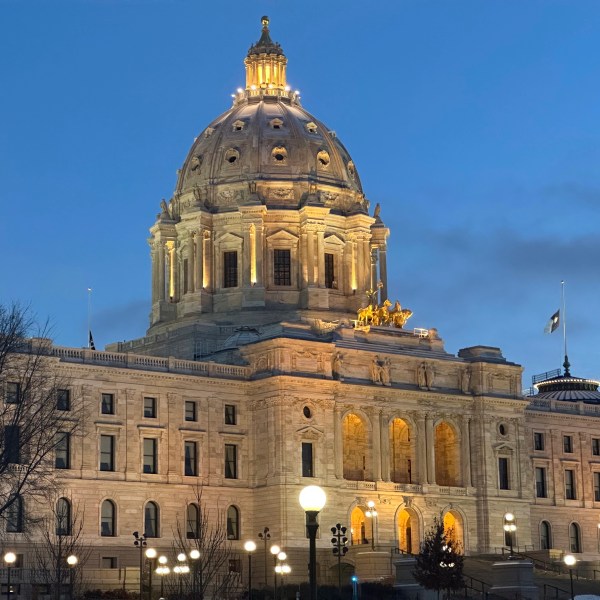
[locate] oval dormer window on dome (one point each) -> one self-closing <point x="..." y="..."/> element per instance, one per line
<point x="276" y="124"/>
<point x="323" y="159"/>
<point x="351" y="170"/>
<point x="311" y="127"/>
<point x="239" y="125"/>
<point x="279" y="155"/>
<point x="232" y="156"/>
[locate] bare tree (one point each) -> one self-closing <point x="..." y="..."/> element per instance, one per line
<point x="217" y="567"/>
<point x="38" y="414"/>
<point x="60" y="536"/>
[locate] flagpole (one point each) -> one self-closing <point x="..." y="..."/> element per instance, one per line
<point x="89" y="316"/>
<point x="566" y="364"/>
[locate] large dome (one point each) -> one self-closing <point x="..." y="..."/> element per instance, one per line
<point x="267" y="144"/>
<point x="268" y="139"/>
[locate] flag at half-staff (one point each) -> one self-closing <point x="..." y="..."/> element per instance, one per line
<point x="553" y="323"/>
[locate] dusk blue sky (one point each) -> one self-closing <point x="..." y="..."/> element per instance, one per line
<point x="475" y="124"/>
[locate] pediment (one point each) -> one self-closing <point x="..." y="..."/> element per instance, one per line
<point x="229" y="238"/>
<point x="282" y="236"/>
<point x="503" y="447"/>
<point x="334" y="239"/>
<point x="309" y="432"/>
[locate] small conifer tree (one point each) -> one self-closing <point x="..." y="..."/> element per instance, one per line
<point x="440" y="561"/>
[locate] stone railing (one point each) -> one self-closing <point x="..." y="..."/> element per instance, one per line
<point x="408" y="487"/>
<point x="452" y="491"/>
<point x="150" y="363"/>
<point x="562" y="406"/>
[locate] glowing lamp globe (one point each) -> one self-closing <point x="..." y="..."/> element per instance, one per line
<point x="10" y="558"/>
<point x="570" y="560"/>
<point x="312" y="498"/>
<point x="151" y="553"/>
<point x="275" y="550"/>
<point x="72" y="560"/>
<point x="249" y="546"/>
<point x="195" y="554"/>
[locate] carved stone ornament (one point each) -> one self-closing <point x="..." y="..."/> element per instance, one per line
<point x="281" y="193"/>
<point x="196" y="162"/>
<point x="380" y="371"/>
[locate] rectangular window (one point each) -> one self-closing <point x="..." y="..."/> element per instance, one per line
<point x="230" y="269"/>
<point x="597" y="489"/>
<point x="570" y="493"/>
<point x="190" y="410"/>
<point x="63" y="400"/>
<point x="150" y="462"/>
<point x="12" y="444"/>
<point x="107" y="406"/>
<point x="235" y="565"/>
<point x="330" y="272"/>
<point x="540" y="482"/>
<point x="568" y="444"/>
<point x="307" y="459"/>
<point x="596" y="446"/>
<point x="191" y="459"/>
<point x="230" y="416"/>
<point x="503" y="473"/>
<point x="538" y="441"/>
<point x="150" y="408"/>
<point x="62" y="456"/>
<point x="282" y="271"/>
<point x="13" y="393"/>
<point x="107" y="452"/>
<point x="109" y="562"/>
<point x="231" y="461"/>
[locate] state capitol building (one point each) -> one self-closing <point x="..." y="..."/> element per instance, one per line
<point x="274" y="360"/>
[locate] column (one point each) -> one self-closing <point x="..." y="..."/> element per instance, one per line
<point x="198" y="266"/>
<point x="383" y="271"/>
<point x="373" y="270"/>
<point x="466" y="450"/>
<point x="366" y="266"/>
<point x="206" y="255"/>
<point x="259" y="254"/>
<point x="154" y="258"/>
<point x="429" y="440"/>
<point x="376" y="429"/>
<point x="385" y="446"/>
<point x="190" y="258"/>
<point x="246" y="252"/>
<point x="338" y="443"/>
<point x="310" y="259"/>
<point x="421" y="449"/>
<point x="161" y="271"/>
<point x="321" y="258"/>
<point x="303" y="260"/>
<point x="360" y="261"/>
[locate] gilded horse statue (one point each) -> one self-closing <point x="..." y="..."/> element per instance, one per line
<point x="377" y="316"/>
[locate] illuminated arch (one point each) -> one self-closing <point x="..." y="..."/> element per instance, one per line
<point x="356" y="454"/>
<point x="402" y="451"/>
<point x="447" y="464"/>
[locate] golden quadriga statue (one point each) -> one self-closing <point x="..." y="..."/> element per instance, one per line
<point x="383" y="315"/>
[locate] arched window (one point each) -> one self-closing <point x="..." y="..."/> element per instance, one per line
<point x="446" y="455"/>
<point x="193" y="522"/>
<point x="574" y="537"/>
<point x="107" y="518"/>
<point x="357" y="460"/>
<point x="151" y="515"/>
<point x="14" y="516"/>
<point x="233" y="523"/>
<point x="545" y="536"/>
<point x="401" y="452"/>
<point x="63" y="517"/>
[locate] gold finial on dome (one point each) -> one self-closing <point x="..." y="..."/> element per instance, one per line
<point x="265" y="64"/>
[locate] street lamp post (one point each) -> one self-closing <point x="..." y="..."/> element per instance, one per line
<point x="372" y="514"/>
<point x="510" y="527"/>
<point x="312" y="500"/>
<point x="72" y="561"/>
<point x="150" y="555"/>
<point x="275" y="550"/>
<point x="339" y="540"/>
<point x="9" y="559"/>
<point x="162" y="570"/>
<point x="195" y="556"/>
<point x="265" y="536"/>
<point x="283" y="570"/>
<point x="140" y="542"/>
<point x="249" y="547"/>
<point x="570" y="561"/>
<point x="281" y="556"/>
<point x="181" y="569"/>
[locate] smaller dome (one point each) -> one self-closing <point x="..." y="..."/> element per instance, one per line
<point x="569" y="389"/>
